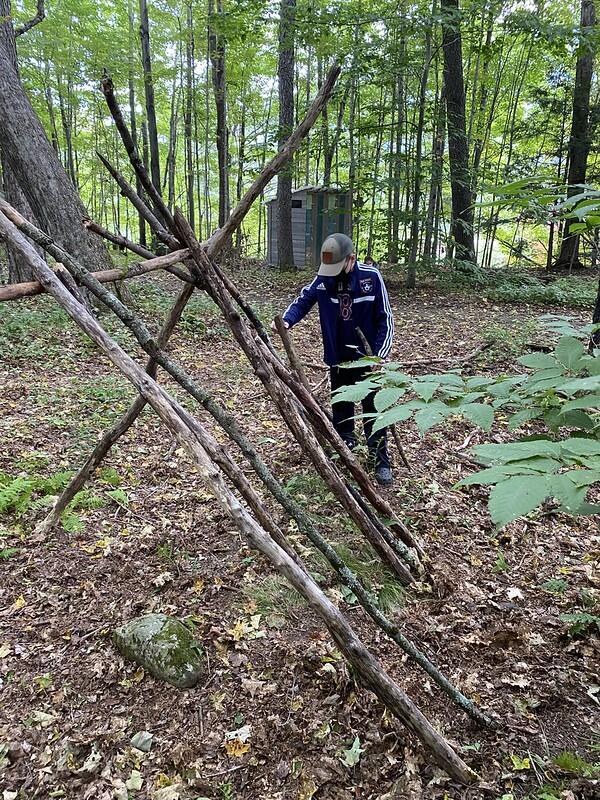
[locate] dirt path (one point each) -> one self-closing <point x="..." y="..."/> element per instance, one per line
<point x="489" y="617"/>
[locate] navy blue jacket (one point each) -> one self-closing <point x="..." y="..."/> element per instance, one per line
<point x="355" y="299"/>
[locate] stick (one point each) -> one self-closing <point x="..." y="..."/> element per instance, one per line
<point x="120" y="241"/>
<point x="322" y="423"/>
<point x="111" y="101"/>
<point x="357" y="654"/>
<point x="130" y="193"/>
<point x="418" y="362"/>
<point x="16" y="291"/>
<point x="279" y="161"/>
<point x="222" y="236"/>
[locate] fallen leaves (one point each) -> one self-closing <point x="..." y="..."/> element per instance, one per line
<point x="352" y="755"/>
<point x="236" y="743"/>
<point x="247" y="629"/>
<point x="19" y="603"/>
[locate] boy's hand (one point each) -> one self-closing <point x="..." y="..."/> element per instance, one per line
<point x="274" y="327"/>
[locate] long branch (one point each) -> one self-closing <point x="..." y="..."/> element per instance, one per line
<point x="15" y="291"/>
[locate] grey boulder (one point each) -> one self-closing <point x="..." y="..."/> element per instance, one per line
<point x="163" y="646"/>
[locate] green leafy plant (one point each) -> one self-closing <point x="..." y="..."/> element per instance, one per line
<point x="24" y="493"/>
<point x="572" y="762"/>
<point x="120" y="497"/>
<point x="581" y="623"/>
<point x="555" y="586"/>
<point x="501" y="564"/>
<point x="560" y="394"/>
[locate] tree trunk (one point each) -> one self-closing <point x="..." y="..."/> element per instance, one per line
<point x="216" y="47"/>
<point x="435" y="188"/>
<point x="36" y="169"/>
<point x="416" y="205"/>
<point x="240" y="171"/>
<point x="285" y="75"/>
<point x="579" y="143"/>
<point x="394" y="252"/>
<point x="458" y="150"/>
<point x="65" y="119"/>
<point x="149" y="92"/>
<point x="188" y="115"/>
<point x="169" y="178"/>
<point x="132" y="117"/>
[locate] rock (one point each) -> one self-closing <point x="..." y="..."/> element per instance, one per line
<point x="163" y="646"/>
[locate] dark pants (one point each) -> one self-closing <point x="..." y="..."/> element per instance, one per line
<point x="343" y="415"/>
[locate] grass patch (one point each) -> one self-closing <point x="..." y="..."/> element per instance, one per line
<point x="520" y="286"/>
<point x="37" y="331"/>
<point x="274" y="595"/>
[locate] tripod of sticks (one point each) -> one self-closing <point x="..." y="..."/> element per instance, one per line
<point x="307" y="421"/>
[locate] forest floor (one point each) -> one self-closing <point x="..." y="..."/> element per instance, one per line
<point x="148" y="537"/>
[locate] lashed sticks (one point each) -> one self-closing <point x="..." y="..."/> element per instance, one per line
<point x="197" y="442"/>
<point x="231" y="428"/>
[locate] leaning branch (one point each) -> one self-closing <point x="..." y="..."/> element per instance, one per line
<point x="276" y="163"/>
<point x="16" y="291"/>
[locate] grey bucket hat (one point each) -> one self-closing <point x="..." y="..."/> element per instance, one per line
<point x="334" y="252"/>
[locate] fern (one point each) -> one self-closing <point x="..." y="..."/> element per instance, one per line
<point x="15" y="494"/>
<point x="56" y="483"/>
<point x="71" y="521"/>
<point x="581" y="622"/>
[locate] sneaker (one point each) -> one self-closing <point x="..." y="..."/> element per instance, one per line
<point x="350" y="442"/>
<point x="383" y="476"/>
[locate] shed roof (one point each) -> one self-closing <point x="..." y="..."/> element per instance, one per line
<point x="312" y="189"/>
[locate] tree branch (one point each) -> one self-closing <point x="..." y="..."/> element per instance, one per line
<point x="40" y="15"/>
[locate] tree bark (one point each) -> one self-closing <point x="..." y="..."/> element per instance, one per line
<point x="132" y="114"/>
<point x="188" y="115"/>
<point x="435" y="187"/>
<point x="394" y="250"/>
<point x="458" y="150"/>
<point x="240" y="172"/>
<point x="149" y="94"/>
<point x="285" y="76"/>
<point x="51" y="196"/>
<point x="579" y="142"/>
<point x="216" y="48"/>
<point x="411" y="268"/>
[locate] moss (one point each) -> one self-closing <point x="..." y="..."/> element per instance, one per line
<point x="163" y="646"/>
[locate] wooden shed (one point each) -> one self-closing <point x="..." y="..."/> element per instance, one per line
<point x="316" y="213"/>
